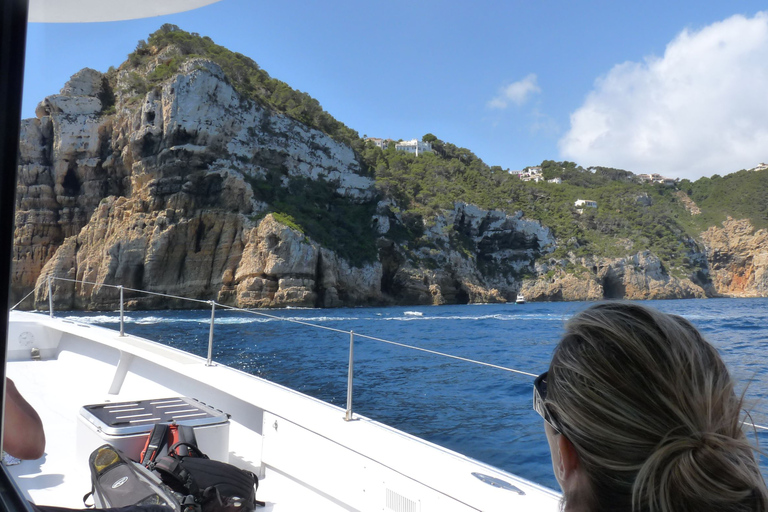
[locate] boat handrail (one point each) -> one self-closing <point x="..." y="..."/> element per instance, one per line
<point x="22" y="300"/>
<point x="213" y="304"/>
<point x="351" y="333"/>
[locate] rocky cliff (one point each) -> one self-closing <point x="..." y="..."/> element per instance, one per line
<point x="160" y="196"/>
<point x="172" y="190"/>
<point x="738" y="259"/>
<point x="157" y="196"/>
<point x="638" y="277"/>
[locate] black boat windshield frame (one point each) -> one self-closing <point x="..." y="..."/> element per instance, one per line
<point x="13" y="35"/>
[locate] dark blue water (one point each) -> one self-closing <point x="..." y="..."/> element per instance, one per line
<point x="482" y="412"/>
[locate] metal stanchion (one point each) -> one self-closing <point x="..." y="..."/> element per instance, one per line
<point x="122" y="312"/>
<point x="50" y="297"/>
<point x="348" y="417"/>
<point x="210" y="334"/>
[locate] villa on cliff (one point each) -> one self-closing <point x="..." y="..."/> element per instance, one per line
<point x="532" y="174"/>
<point x="382" y="143"/>
<point x="580" y="204"/>
<point x="658" y="179"/>
<point x="414" y="146"/>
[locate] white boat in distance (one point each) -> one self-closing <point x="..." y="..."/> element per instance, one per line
<point x="520" y="299"/>
<point x="307" y="453"/>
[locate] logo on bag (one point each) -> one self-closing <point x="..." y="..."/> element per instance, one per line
<point x="119" y="482"/>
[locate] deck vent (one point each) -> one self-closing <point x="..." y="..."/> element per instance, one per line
<point x="399" y="503"/>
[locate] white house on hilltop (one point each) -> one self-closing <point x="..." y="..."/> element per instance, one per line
<point x="658" y="179"/>
<point x="382" y="143"/>
<point x="532" y="174"/>
<point x="414" y="146"/>
<point x="581" y="203"/>
<point x="761" y="167"/>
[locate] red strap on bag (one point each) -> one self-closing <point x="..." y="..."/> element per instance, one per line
<point x="156" y="442"/>
<point x="164" y="436"/>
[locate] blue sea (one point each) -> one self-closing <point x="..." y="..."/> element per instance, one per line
<point x="482" y="412"/>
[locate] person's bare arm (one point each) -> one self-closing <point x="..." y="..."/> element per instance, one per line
<point x="23" y="435"/>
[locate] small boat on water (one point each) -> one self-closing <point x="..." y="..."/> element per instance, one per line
<point x="307" y="453"/>
<point x="520" y="299"/>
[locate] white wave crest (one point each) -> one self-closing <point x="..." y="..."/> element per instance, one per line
<point x="100" y="319"/>
<point x="498" y="316"/>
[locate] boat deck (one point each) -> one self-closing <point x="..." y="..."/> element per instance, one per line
<point x="304" y="452"/>
<point x="61" y="477"/>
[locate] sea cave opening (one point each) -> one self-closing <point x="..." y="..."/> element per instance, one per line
<point x="613" y="288"/>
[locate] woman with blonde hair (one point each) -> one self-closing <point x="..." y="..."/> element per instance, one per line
<point x="641" y="415"/>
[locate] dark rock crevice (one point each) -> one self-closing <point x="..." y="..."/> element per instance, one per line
<point x="613" y="287"/>
<point x="319" y="286"/>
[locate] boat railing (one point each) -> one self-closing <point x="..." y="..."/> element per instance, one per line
<point x="352" y="335"/>
<point x="214" y="305"/>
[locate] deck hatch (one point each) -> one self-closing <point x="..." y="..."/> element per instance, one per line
<point x="139" y="416"/>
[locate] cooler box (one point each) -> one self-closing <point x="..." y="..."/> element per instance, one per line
<point x="126" y="425"/>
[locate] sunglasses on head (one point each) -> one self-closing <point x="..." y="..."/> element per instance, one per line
<point x="539" y="395"/>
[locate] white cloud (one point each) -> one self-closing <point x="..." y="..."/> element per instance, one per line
<point x="517" y="93"/>
<point x="700" y="109"/>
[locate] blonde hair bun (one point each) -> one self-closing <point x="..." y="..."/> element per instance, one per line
<point x="651" y="410"/>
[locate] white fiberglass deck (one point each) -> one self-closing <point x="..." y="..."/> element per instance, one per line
<point x="307" y="456"/>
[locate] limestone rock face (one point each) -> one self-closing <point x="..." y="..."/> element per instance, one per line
<point x="562" y="287"/>
<point x="475" y="256"/>
<point x="638" y="277"/>
<point x="738" y="259"/>
<point x="166" y="189"/>
<point x="278" y="267"/>
<point x="61" y="174"/>
<point x="159" y="196"/>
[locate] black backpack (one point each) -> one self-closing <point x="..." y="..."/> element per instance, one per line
<point x="180" y="477"/>
<point x="213" y="485"/>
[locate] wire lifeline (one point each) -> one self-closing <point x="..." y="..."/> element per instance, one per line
<point x="332" y="329"/>
<point x="22" y="300"/>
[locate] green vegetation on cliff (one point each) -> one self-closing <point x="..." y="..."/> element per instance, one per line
<point x="316" y="210"/>
<point x="630" y="217"/>
<point x="741" y="195"/>
<point x="244" y="74"/>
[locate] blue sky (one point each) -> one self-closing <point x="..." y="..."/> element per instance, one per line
<point x="679" y="89"/>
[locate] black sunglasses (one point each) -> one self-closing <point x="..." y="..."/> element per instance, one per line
<point x="539" y="395"/>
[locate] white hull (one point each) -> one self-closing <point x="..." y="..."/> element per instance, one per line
<point x="306" y="454"/>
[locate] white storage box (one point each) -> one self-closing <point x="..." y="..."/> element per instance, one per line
<point x="126" y="425"/>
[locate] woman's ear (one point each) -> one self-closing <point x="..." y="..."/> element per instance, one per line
<point x="569" y="463"/>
